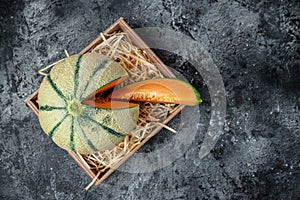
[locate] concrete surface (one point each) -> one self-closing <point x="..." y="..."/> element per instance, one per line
<point x="255" y="45"/>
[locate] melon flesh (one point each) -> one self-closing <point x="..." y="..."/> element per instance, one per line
<point x="76" y="126"/>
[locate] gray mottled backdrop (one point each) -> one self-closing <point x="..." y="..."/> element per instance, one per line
<point x="255" y="45"/>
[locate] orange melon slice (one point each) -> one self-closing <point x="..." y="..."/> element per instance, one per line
<point x="163" y="90"/>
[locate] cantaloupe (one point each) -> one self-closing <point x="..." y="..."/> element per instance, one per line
<point x="80" y="127"/>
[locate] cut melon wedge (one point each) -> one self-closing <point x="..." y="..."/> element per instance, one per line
<point x="100" y="99"/>
<point x="162" y="90"/>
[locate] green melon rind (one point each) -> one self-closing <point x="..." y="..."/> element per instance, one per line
<point x="94" y="132"/>
<point x="61" y="77"/>
<point x="91" y="146"/>
<point x="47" y="96"/>
<point x="83" y="133"/>
<point x="76" y="74"/>
<point x="198" y="99"/>
<point x="114" y="119"/>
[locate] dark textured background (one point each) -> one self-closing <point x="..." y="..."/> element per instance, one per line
<point x="256" y="46"/>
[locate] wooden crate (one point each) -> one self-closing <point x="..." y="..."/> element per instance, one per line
<point x="119" y="25"/>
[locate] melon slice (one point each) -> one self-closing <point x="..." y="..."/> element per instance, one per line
<point x="163" y="90"/>
<point x="79" y="127"/>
